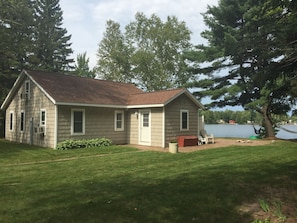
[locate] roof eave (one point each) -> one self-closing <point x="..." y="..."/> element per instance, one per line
<point x="110" y="106"/>
<point x="90" y="105"/>
<point x="146" y="106"/>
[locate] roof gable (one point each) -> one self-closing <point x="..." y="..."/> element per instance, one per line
<point x="157" y="97"/>
<point x="160" y="98"/>
<point x="12" y="91"/>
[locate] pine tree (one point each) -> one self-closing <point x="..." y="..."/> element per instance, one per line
<point x="51" y="40"/>
<point x="31" y="37"/>
<point x="16" y="47"/>
<point x="250" y="40"/>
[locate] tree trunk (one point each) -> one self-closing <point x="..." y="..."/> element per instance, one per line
<point x="267" y="123"/>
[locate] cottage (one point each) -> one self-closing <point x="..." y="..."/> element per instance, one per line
<point x="45" y="108"/>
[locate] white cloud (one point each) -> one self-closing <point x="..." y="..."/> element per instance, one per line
<point x="86" y="20"/>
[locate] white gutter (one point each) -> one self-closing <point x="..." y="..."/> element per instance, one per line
<point x="110" y="106"/>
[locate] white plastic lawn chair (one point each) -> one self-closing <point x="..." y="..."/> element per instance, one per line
<point x="205" y="138"/>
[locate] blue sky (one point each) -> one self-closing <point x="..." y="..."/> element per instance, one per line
<point x="86" y="20"/>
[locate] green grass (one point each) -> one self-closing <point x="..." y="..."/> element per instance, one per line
<point x="120" y="184"/>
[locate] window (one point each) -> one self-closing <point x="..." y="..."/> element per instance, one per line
<point x="11" y="121"/>
<point x="78" y="122"/>
<point x="42" y="121"/>
<point x="42" y="117"/>
<point x="119" y="120"/>
<point x="184" y="120"/>
<point x="146" y="120"/>
<point x="22" y="124"/>
<point x="27" y="89"/>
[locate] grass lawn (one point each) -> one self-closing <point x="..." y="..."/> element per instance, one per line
<point x="119" y="184"/>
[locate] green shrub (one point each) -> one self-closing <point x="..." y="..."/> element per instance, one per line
<point x="83" y="143"/>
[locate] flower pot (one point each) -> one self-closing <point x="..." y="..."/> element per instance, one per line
<point x="173" y="147"/>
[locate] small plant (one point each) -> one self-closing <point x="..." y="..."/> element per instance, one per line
<point x="264" y="205"/>
<point x="173" y="140"/>
<point x="275" y="209"/>
<point x="278" y="211"/>
<point x="260" y="221"/>
<point x="83" y="143"/>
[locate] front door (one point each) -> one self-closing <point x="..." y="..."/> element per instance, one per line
<point x="145" y="128"/>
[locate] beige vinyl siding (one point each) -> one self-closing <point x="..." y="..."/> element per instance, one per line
<point x="157" y="127"/>
<point x="31" y="107"/>
<point x="99" y="122"/>
<point x="133" y="126"/>
<point x="172" y="118"/>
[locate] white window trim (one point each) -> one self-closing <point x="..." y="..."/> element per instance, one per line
<point x="11" y="121"/>
<point x="181" y="120"/>
<point x="40" y="121"/>
<point x="72" y="123"/>
<point x="24" y="121"/>
<point x="115" y="121"/>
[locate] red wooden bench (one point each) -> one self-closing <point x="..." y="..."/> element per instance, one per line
<point x="187" y="141"/>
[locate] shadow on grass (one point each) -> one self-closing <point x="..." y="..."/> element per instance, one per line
<point x="199" y="195"/>
<point x="14" y="147"/>
<point x="12" y="153"/>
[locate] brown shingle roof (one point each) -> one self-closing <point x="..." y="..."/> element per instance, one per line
<point x="69" y="89"/>
<point x="73" y="89"/>
<point x="154" y="98"/>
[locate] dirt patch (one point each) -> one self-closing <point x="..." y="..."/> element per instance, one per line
<point x="278" y="205"/>
<point x="219" y="143"/>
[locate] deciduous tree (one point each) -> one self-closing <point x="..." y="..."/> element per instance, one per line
<point x="113" y="55"/>
<point x="158" y="47"/>
<point x="82" y="66"/>
<point x="149" y="53"/>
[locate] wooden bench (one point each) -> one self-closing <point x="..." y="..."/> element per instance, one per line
<point x="187" y="141"/>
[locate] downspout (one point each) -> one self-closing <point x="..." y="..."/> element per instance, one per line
<point x="198" y="122"/>
<point x="56" y="127"/>
<point x="163" y="129"/>
<point x="31" y="131"/>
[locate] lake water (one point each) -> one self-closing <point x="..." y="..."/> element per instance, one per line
<point x="245" y="131"/>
